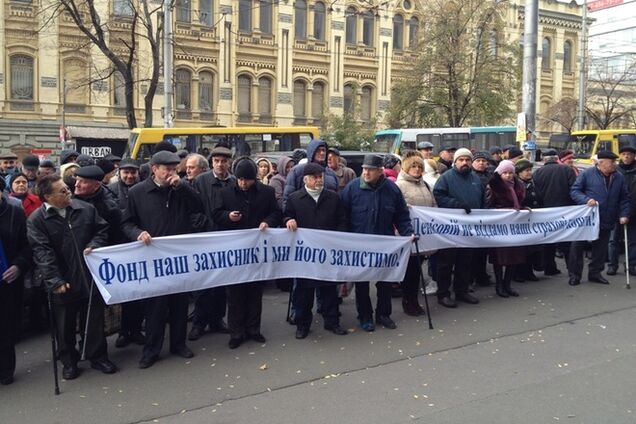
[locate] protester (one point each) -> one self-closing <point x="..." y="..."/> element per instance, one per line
<point x="8" y="167"/>
<point x="46" y="168"/>
<point x="514" y="154"/>
<point x="416" y="192"/>
<point x="483" y="169"/>
<point x="495" y="156"/>
<point x="285" y="164"/>
<point x="532" y="200"/>
<point x="566" y="157"/>
<point x="343" y="173"/>
<point x="504" y="191"/>
<point x="30" y="165"/>
<point x="68" y="156"/>
<point x="162" y="206"/>
<point x="264" y="170"/>
<point x="431" y="173"/>
<point x="445" y="161"/>
<point x="426" y="149"/>
<point x="19" y="190"/>
<point x="459" y="188"/>
<point x="246" y="203"/>
<point x="599" y="186"/>
<point x="314" y="207"/>
<point x="195" y="165"/>
<point x="60" y="233"/>
<point x="392" y="166"/>
<point x="316" y="152"/>
<point x="627" y="167"/>
<point x="375" y="205"/>
<point x="15" y="261"/>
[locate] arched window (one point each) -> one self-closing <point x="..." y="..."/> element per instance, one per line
<point x="319" y="21"/>
<point x="206" y="100"/>
<point x="567" y="56"/>
<point x="205" y="12"/>
<point x="300" y="24"/>
<point x="183" y="11"/>
<point x="350" y="25"/>
<point x="365" y="104"/>
<point x="414" y="28"/>
<point x="348" y="103"/>
<point x="546" y="54"/>
<point x="244" y="97"/>
<point x="318" y="100"/>
<point x="245" y="15"/>
<point x="21" y="77"/>
<point x="119" y="90"/>
<point x="266" y="16"/>
<point x="265" y="97"/>
<point x="368" y="27"/>
<point x="398" y="32"/>
<point x="300" y="89"/>
<point x="183" y="78"/>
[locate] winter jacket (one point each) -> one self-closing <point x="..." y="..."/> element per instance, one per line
<point x="13" y="236"/>
<point x="457" y="191"/>
<point x="613" y="199"/>
<point x="344" y="175"/>
<point x="294" y="180"/>
<point x="258" y="204"/>
<point x="58" y="245"/>
<point x="376" y="209"/>
<point x="554" y="181"/>
<point x="109" y="210"/>
<point x="499" y="197"/>
<point x="391" y="174"/>
<point x="327" y="213"/>
<point x="278" y="180"/>
<point x="533" y="196"/>
<point x="120" y="191"/>
<point x="629" y="172"/>
<point x="209" y="188"/>
<point x="416" y="191"/>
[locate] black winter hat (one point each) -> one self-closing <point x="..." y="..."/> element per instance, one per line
<point x="245" y="169"/>
<point x="606" y="154"/>
<point x="514" y="152"/>
<point x="312" y="168"/>
<point x="481" y="155"/>
<point x="164" y="146"/>
<point x="106" y="165"/>
<point x="85" y="160"/>
<point x="91" y="172"/>
<point x="66" y="155"/>
<point x="30" y="162"/>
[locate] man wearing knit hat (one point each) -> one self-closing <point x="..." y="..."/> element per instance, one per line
<point x="458" y="188"/>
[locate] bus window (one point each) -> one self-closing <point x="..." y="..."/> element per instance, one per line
<point x="304" y="140"/>
<point x="455" y="140"/>
<point x="626" y="140"/>
<point x="582" y="146"/>
<point x="604" y="145"/>
<point x="383" y="143"/>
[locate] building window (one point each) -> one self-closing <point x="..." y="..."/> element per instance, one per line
<point x="119" y="90"/>
<point x="205" y="91"/>
<point x="266" y="16"/>
<point x="398" y="32"/>
<point x="351" y="25"/>
<point x="319" y="21"/>
<point x="183" y="11"/>
<point x="76" y="74"/>
<point x="368" y="28"/>
<point x="206" y="12"/>
<point x="365" y="104"/>
<point x="414" y="28"/>
<point x="567" y="56"/>
<point x="318" y="100"/>
<point x="348" y="103"/>
<point x="300" y="89"/>
<point x="546" y="54"/>
<point x="21" y="77"/>
<point x="300" y="22"/>
<point x="183" y="78"/>
<point x="245" y="15"/>
<point x="122" y="8"/>
<point x="244" y="95"/>
<point x="265" y="97"/>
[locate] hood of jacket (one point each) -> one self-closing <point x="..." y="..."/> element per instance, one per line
<point x="282" y="165"/>
<point x="313" y="146"/>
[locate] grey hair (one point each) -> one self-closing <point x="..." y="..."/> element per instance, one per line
<point x="202" y="161"/>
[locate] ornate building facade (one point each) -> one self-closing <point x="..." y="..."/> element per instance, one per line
<point x="241" y="62"/>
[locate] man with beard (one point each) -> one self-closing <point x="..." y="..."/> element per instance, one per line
<point x="459" y="188"/>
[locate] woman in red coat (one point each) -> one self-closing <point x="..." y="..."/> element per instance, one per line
<point x="20" y="190"/>
<point x="505" y="191"/>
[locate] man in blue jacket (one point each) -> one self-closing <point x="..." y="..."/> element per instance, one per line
<point x="602" y="186"/>
<point x="375" y="205"/>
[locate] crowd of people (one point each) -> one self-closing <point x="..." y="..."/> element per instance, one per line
<point x="51" y="217"/>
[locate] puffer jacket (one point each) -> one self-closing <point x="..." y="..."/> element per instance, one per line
<point x="455" y="190"/>
<point x="294" y="180"/>
<point x="416" y="191"/>
<point x="58" y="244"/>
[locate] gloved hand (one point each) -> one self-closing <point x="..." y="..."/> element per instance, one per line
<point x="466" y="208"/>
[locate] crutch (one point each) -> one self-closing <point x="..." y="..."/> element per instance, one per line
<point x="53" y="343"/>
<point x="423" y="283"/>
<point x="627" y="286"/>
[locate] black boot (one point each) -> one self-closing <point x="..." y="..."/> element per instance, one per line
<point x="499" y="287"/>
<point x="507" y="280"/>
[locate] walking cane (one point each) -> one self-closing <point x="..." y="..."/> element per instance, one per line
<point x="627" y="286"/>
<point x="88" y="314"/>
<point x="53" y="343"/>
<point x="419" y="263"/>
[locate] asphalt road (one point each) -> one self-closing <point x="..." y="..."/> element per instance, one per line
<point x="555" y="354"/>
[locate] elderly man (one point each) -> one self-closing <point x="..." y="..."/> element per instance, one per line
<point x="459" y="188"/>
<point x="8" y="163"/>
<point x="162" y="206"/>
<point x="600" y="185"/>
<point x="627" y="167"/>
<point x="60" y="233"/>
<point x="426" y="149"/>
<point x="343" y="173"/>
<point x="47" y="167"/>
<point x="195" y="165"/>
<point x="30" y="165"/>
<point x="481" y="168"/>
<point x="445" y="161"/>
<point x="375" y="205"/>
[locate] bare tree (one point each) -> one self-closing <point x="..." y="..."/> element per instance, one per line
<point x="611" y="93"/>
<point x="563" y="113"/>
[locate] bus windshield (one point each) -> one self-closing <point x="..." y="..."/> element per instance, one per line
<point x="582" y="145"/>
<point x="383" y="143"/>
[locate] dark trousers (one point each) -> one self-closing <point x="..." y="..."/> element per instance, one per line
<point x="132" y="316"/>
<point x="363" y="300"/>
<point x="209" y="307"/>
<point x="549" y="251"/>
<point x="171" y="309"/>
<point x="66" y="318"/>
<point x="411" y="281"/>
<point x="616" y="242"/>
<point x="10" y="311"/>
<point x="453" y="266"/>
<point x="304" y="299"/>
<point x="599" y="255"/>
<point x="244" y="307"/>
<point x="478" y="266"/>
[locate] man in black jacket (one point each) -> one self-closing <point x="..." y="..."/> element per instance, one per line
<point x="162" y="206"/>
<point x="314" y="207"/>
<point x="60" y="232"/>
<point x="627" y="167"/>
<point x="128" y="177"/>
<point x="247" y="203"/>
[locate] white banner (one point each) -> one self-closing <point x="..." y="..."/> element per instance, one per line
<point x="440" y="228"/>
<point x="191" y="262"/>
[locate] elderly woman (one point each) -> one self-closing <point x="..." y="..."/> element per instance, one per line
<point x="416" y="193"/>
<point x="505" y="191"/>
<point x="19" y="189"/>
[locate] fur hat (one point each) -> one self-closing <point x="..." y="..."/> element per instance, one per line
<point x="412" y="157"/>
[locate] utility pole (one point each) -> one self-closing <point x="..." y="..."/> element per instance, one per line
<point x="167" y="63"/>
<point x="529" y="93"/>
<point x="583" y="71"/>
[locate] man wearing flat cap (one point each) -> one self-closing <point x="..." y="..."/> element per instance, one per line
<point x="30" y="165"/>
<point x="8" y="163"/>
<point x="314" y="207"/>
<point x="599" y="186"/>
<point x="47" y="167"/>
<point x="375" y="205"/>
<point x="445" y="161"/>
<point x="162" y="206"/>
<point x="426" y="149"/>
<point x="627" y="167"/>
